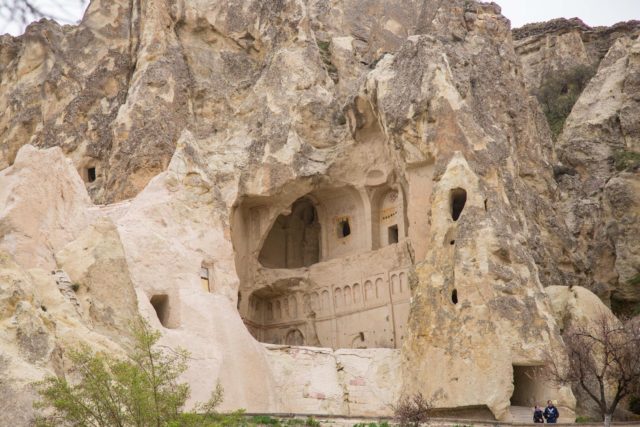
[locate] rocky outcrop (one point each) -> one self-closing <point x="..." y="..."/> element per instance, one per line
<point x="597" y="151"/>
<point x="293" y="174"/>
<point x="601" y="142"/>
<point x="562" y="44"/>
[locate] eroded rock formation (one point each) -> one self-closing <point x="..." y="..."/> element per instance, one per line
<point x="597" y="151"/>
<point x="368" y="177"/>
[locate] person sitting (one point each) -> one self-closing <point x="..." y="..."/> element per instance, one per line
<point x="551" y="413"/>
<point x="537" y="415"/>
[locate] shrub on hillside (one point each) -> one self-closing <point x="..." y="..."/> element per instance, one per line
<point x="141" y="390"/>
<point x="411" y="411"/>
<point x="559" y="91"/>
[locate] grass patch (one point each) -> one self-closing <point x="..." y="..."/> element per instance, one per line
<point x="584" y="420"/>
<point x="325" y="54"/>
<point x="267" y="420"/>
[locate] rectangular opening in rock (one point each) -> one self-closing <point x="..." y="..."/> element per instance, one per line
<point x="91" y="174"/>
<point x="528" y="386"/>
<point x="392" y="234"/>
<point x="344" y="229"/>
<point x="160" y="304"/>
<point x="204" y="279"/>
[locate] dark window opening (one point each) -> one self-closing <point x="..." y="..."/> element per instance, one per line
<point x="454" y="296"/>
<point x="344" y="229"/>
<point x="458" y="200"/>
<point x="453" y="242"/>
<point x="160" y="304"/>
<point x="239" y="299"/>
<point x="393" y="234"/>
<point x="485" y="205"/>
<point x="91" y="174"/>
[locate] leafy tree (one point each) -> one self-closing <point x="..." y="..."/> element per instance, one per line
<point x="604" y="362"/>
<point x="142" y="390"/>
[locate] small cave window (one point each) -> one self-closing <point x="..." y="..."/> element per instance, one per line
<point x="458" y="200"/>
<point x="204" y="279"/>
<point x="344" y="229"/>
<point x="454" y="296"/>
<point x="393" y="234"/>
<point x="160" y="304"/>
<point x="91" y="174"/>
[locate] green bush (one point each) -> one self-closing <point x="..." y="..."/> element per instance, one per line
<point x="141" y="390"/>
<point x="559" y="91"/>
<point x="584" y="420"/>
<point x="264" y="420"/>
<point x="623" y="160"/>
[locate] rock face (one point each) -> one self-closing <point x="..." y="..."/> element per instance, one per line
<point x="602" y="200"/>
<point x="598" y="150"/>
<point x="561" y="44"/>
<point x="327" y="211"/>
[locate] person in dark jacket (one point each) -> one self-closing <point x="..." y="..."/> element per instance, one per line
<point x="537" y="415"/>
<point x="551" y="413"/>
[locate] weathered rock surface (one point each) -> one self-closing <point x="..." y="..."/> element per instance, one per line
<point x="598" y="150"/>
<point x="347" y="381"/>
<point x="561" y="44"/>
<point x="291" y="172"/>
<point x="602" y="200"/>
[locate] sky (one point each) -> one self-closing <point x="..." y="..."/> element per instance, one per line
<point x="592" y="12"/>
<point x="520" y="12"/>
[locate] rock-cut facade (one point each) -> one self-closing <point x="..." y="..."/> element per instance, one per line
<point x="329" y="204"/>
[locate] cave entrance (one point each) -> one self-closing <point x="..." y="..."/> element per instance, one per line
<point x="528" y="386"/>
<point x="161" y="306"/>
<point x="458" y="200"/>
<point x="294" y="239"/>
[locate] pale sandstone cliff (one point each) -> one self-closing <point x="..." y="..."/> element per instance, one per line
<point x="367" y="176"/>
<point x="560" y="44"/>
<point x="598" y="196"/>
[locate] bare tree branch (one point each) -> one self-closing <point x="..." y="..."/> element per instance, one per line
<point x="604" y="361"/>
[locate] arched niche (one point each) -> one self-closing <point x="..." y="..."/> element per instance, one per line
<point x="294" y="337"/>
<point x="388" y="225"/>
<point x="294" y="239"/>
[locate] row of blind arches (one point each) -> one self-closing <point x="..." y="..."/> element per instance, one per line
<point x="354" y="295"/>
<point x="287" y="307"/>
